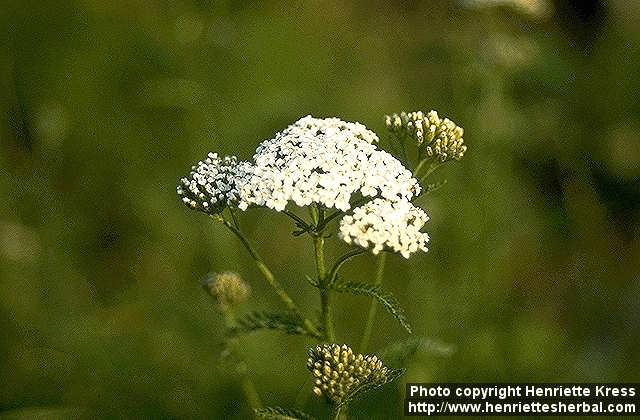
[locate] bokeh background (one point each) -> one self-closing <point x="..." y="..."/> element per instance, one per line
<point x="533" y="270"/>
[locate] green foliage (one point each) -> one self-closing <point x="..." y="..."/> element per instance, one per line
<point x="385" y="298"/>
<point x="280" y="413"/>
<point x="397" y="354"/>
<point x="431" y="188"/>
<point x="535" y="241"/>
<point x="287" y="322"/>
<point x="366" y="387"/>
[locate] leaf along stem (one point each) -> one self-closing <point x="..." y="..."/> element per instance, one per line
<point x="299" y="221"/>
<point x="373" y="306"/>
<point x="270" y="278"/>
<point x="333" y="273"/>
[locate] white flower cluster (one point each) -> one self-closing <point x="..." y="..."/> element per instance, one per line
<point x="213" y="183"/>
<point x="383" y="224"/>
<point x="324" y="161"/>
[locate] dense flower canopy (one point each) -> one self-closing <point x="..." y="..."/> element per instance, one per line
<point x="324" y="161"/>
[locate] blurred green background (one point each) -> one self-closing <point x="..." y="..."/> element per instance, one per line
<point x="533" y="269"/>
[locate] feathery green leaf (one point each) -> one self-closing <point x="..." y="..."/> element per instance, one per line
<point x="366" y="387"/>
<point x="431" y="188"/>
<point x="397" y="354"/>
<point x="279" y="413"/>
<point x="287" y="322"/>
<point x="385" y="298"/>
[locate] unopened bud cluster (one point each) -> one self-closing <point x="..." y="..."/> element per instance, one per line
<point x="338" y="372"/>
<point x="442" y="137"/>
<point x="211" y="186"/>
<point x="228" y="288"/>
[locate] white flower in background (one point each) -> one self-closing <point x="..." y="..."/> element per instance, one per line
<point x="323" y="161"/>
<point x="382" y="224"/>
<point x="213" y="183"/>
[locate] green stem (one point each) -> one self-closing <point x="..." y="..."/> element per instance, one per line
<point x="325" y="292"/>
<point x="234" y="218"/>
<point x="317" y="214"/>
<point x="420" y="165"/>
<point x="430" y="170"/>
<point x="403" y="148"/>
<point x="268" y="275"/>
<point x="248" y="388"/>
<point x="337" y="413"/>
<point x="373" y="307"/>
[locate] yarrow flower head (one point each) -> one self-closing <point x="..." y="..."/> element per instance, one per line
<point x="382" y="224"/>
<point x="339" y="372"/>
<point x="442" y="138"/>
<point x="228" y="288"/>
<point x="213" y="183"/>
<point x="324" y="161"/>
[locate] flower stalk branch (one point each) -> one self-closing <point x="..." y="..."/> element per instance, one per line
<point x="270" y="278"/>
<point x="373" y="306"/>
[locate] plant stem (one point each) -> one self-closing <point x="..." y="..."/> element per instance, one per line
<point x="325" y="292"/>
<point x="268" y="275"/>
<point x="430" y="170"/>
<point x="405" y="158"/>
<point x="373" y="307"/>
<point x="248" y="388"/>
<point x="337" y="414"/>
<point x="420" y="165"/>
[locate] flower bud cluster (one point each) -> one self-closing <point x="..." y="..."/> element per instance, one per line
<point x="382" y="224"/>
<point x="228" y="288"/>
<point x="212" y="184"/>
<point x="442" y="138"/>
<point x="338" y="372"/>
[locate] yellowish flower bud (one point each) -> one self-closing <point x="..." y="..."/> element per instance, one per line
<point x="228" y="288"/>
<point x="344" y="371"/>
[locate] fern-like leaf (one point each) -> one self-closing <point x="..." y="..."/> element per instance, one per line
<point x="431" y="188"/>
<point x="366" y="387"/>
<point x="279" y="413"/>
<point x="387" y="300"/>
<point x="397" y="354"/>
<point x="287" y="322"/>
